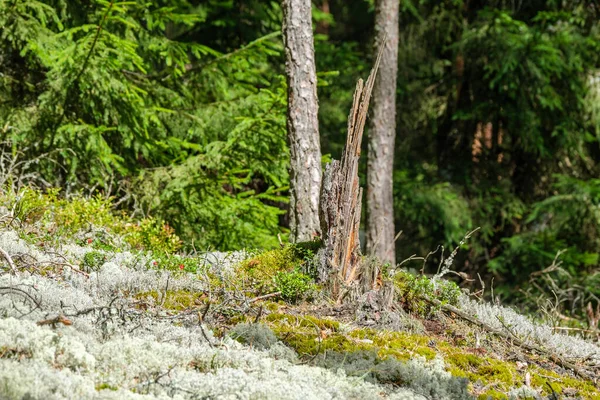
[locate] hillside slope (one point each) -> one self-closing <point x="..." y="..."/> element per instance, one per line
<point x="88" y="315"/>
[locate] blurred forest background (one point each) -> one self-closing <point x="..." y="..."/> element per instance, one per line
<point x="177" y="109"/>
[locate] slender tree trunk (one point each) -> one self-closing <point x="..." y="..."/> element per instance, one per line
<point x="302" y="122"/>
<point x="382" y="133"/>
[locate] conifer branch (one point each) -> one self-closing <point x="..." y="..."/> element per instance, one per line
<point x="80" y="73"/>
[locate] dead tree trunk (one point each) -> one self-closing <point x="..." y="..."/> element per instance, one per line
<point x="341" y="199"/>
<point x="382" y="133"/>
<point x="302" y="122"/>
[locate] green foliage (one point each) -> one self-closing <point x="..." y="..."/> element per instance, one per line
<point x="414" y="290"/>
<point x="150" y="234"/>
<point x="124" y="91"/>
<point x="293" y="285"/>
<point x="282" y="270"/>
<point x="563" y="229"/>
<point x="227" y="197"/>
<point x="177" y="262"/>
<point x="431" y="214"/>
<point x="339" y="66"/>
<point x="499" y="130"/>
<point x="93" y="260"/>
<point x="178" y="110"/>
<point x="87" y="221"/>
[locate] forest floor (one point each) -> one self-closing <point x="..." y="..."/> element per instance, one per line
<point x="82" y="319"/>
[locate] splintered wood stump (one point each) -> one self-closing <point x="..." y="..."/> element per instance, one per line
<point x="341" y="196"/>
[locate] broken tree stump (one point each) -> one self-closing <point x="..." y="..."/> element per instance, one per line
<point x="340" y="202"/>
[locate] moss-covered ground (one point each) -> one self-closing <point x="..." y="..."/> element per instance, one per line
<point x="492" y="366"/>
<point x="276" y="288"/>
<point x="490" y="369"/>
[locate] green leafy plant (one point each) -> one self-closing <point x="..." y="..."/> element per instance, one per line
<point x="93" y="260"/>
<point x="413" y="292"/>
<point x="293" y="285"/>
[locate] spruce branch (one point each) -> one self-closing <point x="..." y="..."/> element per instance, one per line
<point x="80" y="73"/>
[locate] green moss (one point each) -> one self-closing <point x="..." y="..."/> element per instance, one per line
<point x="176" y="300"/>
<point x="323" y="323"/>
<point x="283" y="270"/>
<point x="285" y="318"/>
<point x="492" y="395"/>
<point x="307" y="344"/>
<point x="304" y="321"/>
<point x="271" y="306"/>
<point x="310" y="335"/>
<point x="401" y="345"/>
<point x="497" y="371"/>
<point x="542" y="377"/>
<point x="501" y="375"/>
<point x="464" y="360"/>
<point x="105" y="386"/>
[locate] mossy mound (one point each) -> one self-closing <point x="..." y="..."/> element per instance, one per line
<point x="489" y="375"/>
<point x="287" y="271"/>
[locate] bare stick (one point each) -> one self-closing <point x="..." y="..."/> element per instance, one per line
<point x="15" y="290"/>
<point x="258" y="314"/>
<point x="59" y="319"/>
<point x="263" y="297"/>
<point x="164" y="296"/>
<point x="202" y="317"/>
<point x="8" y="260"/>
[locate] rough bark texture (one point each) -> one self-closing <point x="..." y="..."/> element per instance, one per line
<point x="302" y="122"/>
<point x="341" y="201"/>
<point x="382" y="132"/>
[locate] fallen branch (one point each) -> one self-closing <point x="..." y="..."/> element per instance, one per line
<point x="8" y="260"/>
<point x="10" y="289"/>
<point x="59" y="319"/>
<point x="201" y="319"/>
<point x="511" y="337"/>
<point x="263" y="297"/>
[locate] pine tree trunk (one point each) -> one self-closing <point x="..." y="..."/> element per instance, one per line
<point x="382" y="133"/>
<point x="302" y="122"/>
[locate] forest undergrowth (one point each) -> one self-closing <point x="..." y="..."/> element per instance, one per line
<point x="100" y="306"/>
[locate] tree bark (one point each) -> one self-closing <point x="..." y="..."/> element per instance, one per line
<point x="302" y="122"/>
<point x="382" y="133"/>
<point x="341" y="198"/>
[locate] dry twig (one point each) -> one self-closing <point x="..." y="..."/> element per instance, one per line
<point x="59" y="319"/>
<point x="9" y="260"/>
<point x="263" y="297"/>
